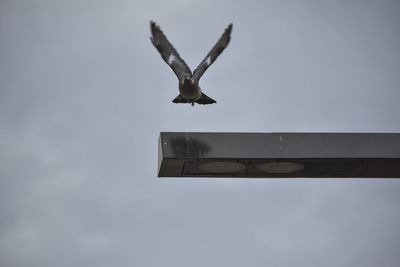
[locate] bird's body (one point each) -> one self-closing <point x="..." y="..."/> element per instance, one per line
<point x="189" y="89"/>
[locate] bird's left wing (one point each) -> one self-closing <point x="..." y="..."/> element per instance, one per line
<point x="213" y="54"/>
<point x="168" y="52"/>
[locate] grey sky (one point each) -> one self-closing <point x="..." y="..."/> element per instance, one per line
<point x="84" y="95"/>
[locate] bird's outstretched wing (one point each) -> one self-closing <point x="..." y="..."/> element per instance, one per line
<point x="213" y="54"/>
<point x="168" y="52"/>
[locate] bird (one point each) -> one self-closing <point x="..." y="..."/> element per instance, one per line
<point x="189" y="89"/>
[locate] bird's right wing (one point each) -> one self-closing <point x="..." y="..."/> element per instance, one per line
<point x="213" y="54"/>
<point x="168" y="52"/>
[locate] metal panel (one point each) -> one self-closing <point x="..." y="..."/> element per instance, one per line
<point x="257" y="155"/>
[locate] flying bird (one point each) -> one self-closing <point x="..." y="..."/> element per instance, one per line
<point x="189" y="89"/>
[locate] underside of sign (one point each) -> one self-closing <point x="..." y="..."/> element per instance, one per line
<point x="279" y="155"/>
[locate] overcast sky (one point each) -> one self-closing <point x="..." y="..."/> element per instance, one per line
<point x="84" y="95"/>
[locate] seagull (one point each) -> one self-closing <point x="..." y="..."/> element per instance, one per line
<point x="189" y="89"/>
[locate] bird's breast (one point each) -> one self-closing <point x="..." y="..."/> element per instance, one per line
<point x="190" y="90"/>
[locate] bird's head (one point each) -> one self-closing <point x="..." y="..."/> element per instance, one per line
<point x="187" y="79"/>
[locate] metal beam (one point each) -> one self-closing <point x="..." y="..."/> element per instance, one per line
<point x="279" y="155"/>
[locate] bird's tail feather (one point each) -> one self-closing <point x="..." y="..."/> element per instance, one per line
<point x="203" y="100"/>
<point x="180" y="99"/>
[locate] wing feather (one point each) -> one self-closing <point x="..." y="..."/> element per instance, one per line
<point x="168" y="52"/>
<point x="213" y="54"/>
